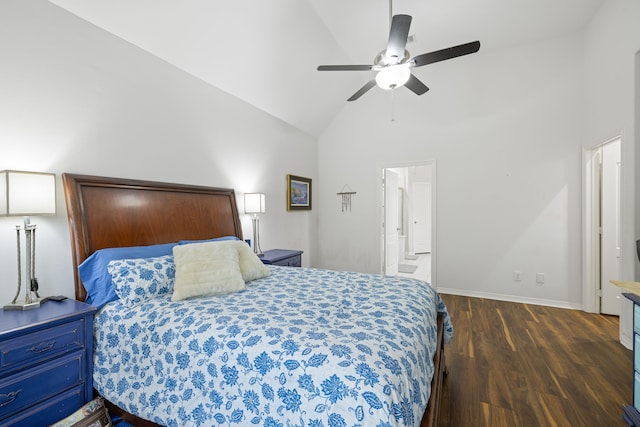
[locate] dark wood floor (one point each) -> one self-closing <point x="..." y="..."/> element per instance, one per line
<point x="525" y="365"/>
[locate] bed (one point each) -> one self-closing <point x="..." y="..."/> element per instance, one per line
<point x="294" y="346"/>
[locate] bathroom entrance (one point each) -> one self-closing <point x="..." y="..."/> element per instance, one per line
<point x="408" y="221"/>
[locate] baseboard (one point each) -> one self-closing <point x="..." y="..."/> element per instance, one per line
<point x="510" y="298"/>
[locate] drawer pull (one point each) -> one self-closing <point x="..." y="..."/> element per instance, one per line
<point x="6" y="399"/>
<point x="42" y="347"/>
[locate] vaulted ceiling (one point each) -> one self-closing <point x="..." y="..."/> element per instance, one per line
<point x="266" y="52"/>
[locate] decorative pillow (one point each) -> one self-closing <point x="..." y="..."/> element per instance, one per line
<point x="204" y="269"/>
<point x="251" y="266"/>
<point x="95" y="275"/>
<point x="138" y="280"/>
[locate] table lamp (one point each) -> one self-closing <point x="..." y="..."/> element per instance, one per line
<point x="25" y="194"/>
<point x="254" y="204"/>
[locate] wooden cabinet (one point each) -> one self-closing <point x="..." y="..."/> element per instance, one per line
<point x="283" y="257"/>
<point x="45" y="362"/>
<point x="631" y="413"/>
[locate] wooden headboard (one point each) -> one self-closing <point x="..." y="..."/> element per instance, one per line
<point x="113" y="212"/>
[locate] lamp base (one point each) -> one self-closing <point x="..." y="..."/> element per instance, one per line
<point x="256" y="236"/>
<point x="35" y="303"/>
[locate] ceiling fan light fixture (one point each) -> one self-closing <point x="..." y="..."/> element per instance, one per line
<point x="393" y="63"/>
<point x="392" y="77"/>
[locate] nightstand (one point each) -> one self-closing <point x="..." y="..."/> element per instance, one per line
<point x="46" y="364"/>
<point x="283" y="257"/>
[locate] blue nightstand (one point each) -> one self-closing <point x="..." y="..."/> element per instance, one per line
<point x="46" y="363"/>
<point x="282" y="257"/>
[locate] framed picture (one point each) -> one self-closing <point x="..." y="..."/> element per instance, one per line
<point x="298" y="193"/>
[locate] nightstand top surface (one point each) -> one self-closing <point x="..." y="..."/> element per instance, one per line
<point x="275" y="255"/>
<point x="16" y="320"/>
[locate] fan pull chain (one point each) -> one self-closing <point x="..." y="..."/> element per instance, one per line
<point x="393" y="105"/>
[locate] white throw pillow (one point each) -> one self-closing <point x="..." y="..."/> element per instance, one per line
<point x="251" y="266"/>
<point x="204" y="269"/>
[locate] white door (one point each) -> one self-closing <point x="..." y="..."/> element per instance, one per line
<point x="610" y="228"/>
<point x="391" y="223"/>
<point x="421" y="213"/>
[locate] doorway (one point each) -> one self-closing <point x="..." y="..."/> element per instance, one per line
<point x="408" y="221"/>
<point x="602" y="252"/>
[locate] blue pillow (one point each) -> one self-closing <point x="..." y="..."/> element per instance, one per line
<point x="95" y="274"/>
<point x="186" y="242"/>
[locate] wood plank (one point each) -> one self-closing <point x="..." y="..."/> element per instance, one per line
<point x="516" y="364"/>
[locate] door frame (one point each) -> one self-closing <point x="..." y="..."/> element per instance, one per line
<point x="427" y="190"/>
<point x="381" y="229"/>
<point x="390" y="238"/>
<point x="591" y="226"/>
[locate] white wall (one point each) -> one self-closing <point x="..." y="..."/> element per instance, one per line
<point x="612" y="41"/>
<point x="505" y="130"/>
<point x="74" y="98"/>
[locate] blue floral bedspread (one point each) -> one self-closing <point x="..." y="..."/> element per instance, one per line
<point x="302" y="347"/>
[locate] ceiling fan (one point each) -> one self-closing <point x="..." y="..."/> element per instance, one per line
<point x="394" y="63"/>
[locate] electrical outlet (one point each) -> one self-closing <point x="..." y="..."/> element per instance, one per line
<point x="517" y="276"/>
<point x="539" y="279"/>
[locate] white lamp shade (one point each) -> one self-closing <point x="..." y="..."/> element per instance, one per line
<point x="27" y="193"/>
<point x="254" y="203"/>
<point x="392" y="76"/>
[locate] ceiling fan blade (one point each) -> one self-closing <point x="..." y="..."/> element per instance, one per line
<point x="398" y="38"/>
<point x="345" y="67"/>
<point x="371" y="83"/>
<point x="415" y="85"/>
<point x="444" y="54"/>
